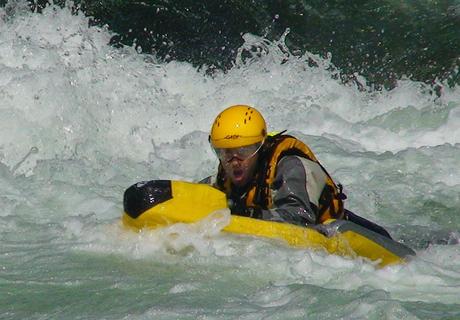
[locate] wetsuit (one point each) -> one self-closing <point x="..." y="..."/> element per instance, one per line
<point x="291" y="201"/>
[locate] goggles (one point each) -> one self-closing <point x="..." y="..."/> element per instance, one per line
<point x="241" y="153"/>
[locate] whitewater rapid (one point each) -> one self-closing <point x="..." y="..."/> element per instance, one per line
<point x="81" y="121"/>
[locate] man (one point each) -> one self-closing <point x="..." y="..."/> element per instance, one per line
<point x="273" y="176"/>
<point x="270" y="177"/>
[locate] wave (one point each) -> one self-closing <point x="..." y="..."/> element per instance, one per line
<point x="382" y="41"/>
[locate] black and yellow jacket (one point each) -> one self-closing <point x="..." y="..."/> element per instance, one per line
<point x="290" y="185"/>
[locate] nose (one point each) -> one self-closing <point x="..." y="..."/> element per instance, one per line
<point x="234" y="162"/>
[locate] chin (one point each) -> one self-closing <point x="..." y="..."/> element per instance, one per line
<point x="240" y="183"/>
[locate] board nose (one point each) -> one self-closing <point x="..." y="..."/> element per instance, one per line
<point x="144" y="195"/>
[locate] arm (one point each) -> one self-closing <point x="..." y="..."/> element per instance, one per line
<point x="208" y="180"/>
<point x="291" y="202"/>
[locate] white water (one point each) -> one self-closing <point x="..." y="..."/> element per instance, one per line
<point x="81" y="121"/>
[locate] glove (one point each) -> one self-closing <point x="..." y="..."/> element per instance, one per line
<point x="252" y="212"/>
<point x="240" y="210"/>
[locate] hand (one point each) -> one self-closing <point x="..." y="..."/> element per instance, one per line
<point x="240" y="210"/>
<point x="252" y="212"/>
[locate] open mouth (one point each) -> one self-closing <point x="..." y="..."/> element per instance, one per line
<point x="238" y="174"/>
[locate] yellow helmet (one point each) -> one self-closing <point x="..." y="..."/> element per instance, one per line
<point x="238" y="126"/>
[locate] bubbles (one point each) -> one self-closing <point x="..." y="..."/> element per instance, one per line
<point x="81" y="121"/>
<point x="112" y="103"/>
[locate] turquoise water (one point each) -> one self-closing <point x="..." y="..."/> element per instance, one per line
<point x="81" y="121"/>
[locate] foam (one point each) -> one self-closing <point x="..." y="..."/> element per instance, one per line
<point x="81" y="121"/>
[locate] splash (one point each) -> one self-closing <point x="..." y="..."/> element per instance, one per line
<point x="82" y="120"/>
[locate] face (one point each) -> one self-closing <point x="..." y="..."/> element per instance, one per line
<point x="239" y="163"/>
<point x="239" y="171"/>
